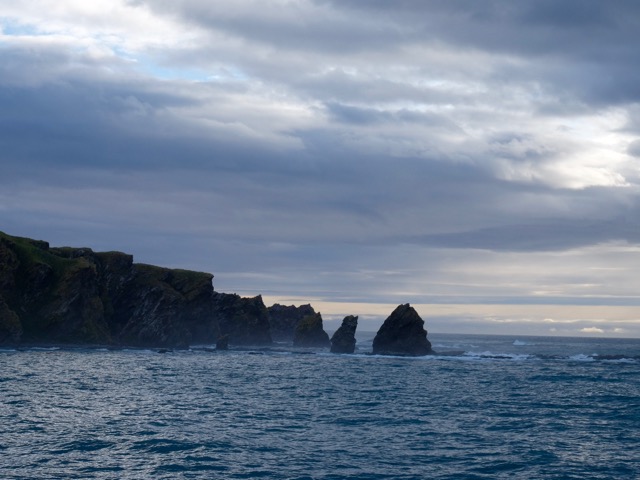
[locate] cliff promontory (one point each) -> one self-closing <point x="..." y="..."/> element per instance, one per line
<point x="76" y="295"/>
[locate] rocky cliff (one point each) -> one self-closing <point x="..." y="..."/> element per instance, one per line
<point x="285" y="318"/>
<point x="244" y="320"/>
<point x="344" y="339"/>
<point x="75" y="295"/>
<point x="402" y="333"/>
<point x="310" y="333"/>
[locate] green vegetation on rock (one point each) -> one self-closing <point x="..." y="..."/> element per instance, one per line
<point x="74" y="295"/>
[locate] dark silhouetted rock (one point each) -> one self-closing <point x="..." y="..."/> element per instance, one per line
<point x="10" y="326"/>
<point x="402" y="333"/>
<point x="74" y="295"/>
<point x="222" y="343"/>
<point x="164" y="307"/>
<point x="309" y="332"/>
<point x="284" y="319"/>
<point x="245" y="320"/>
<point x="344" y="339"/>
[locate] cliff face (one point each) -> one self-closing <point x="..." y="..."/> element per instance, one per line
<point x="402" y="333"/>
<point x="344" y="339"/>
<point x="48" y="297"/>
<point x="309" y="332"/>
<point x="163" y="307"/>
<point x="74" y="295"/>
<point x="285" y="318"/>
<point x="244" y="320"/>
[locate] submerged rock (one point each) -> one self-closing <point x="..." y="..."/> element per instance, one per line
<point x="402" y="333"/>
<point x="344" y="340"/>
<point x="309" y="332"/>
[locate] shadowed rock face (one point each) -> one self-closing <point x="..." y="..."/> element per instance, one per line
<point x="222" y="343"/>
<point x="244" y="320"/>
<point x="284" y="319"/>
<point x="163" y="307"/>
<point x="309" y="332"/>
<point x="402" y="333"/>
<point x="75" y="295"/>
<point x="344" y="340"/>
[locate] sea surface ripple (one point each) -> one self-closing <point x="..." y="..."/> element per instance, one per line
<point x="196" y="414"/>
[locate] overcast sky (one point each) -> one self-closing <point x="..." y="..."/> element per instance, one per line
<point x="479" y="159"/>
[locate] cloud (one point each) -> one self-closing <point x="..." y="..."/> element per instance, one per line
<point x="532" y="237"/>
<point x="348" y="149"/>
<point x="591" y="330"/>
<point x="634" y="148"/>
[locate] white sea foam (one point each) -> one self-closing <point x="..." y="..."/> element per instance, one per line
<point x="487" y="355"/>
<point x="581" y="357"/>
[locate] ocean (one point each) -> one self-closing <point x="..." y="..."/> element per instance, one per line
<point x="508" y="407"/>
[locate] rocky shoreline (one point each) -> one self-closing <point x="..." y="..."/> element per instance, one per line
<point x="77" y="297"/>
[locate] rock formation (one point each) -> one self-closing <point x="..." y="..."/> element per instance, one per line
<point x="309" y="332"/>
<point x="75" y="295"/>
<point x="402" y="333"/>
<point x="245" y="320"/>
<point x="222" y="343"/>
<point x="344" y="340"/>
<point x="284" y="319"/>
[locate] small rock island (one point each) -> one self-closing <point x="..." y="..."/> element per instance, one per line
<point x="402" y="333"/>
<point x="344" y="339"/>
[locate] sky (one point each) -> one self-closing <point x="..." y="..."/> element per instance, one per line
<point x="479" y="159"/>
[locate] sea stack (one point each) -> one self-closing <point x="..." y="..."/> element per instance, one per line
<point x="344" y="340"/>
<point x="283" y="320"/>
<point x="402" y="333"/>
<point x="222" y="343"/>
<point x="309" y="332"/>
<point x="244" y="320"/>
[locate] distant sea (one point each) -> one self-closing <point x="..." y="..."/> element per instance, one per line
<point x="508" y="407"/>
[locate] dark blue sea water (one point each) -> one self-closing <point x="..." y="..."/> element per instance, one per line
<point x="510" y="407"/>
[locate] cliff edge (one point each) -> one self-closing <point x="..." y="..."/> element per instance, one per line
<point x="78" y="296"/>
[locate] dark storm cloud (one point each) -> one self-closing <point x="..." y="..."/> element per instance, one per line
<point x="583" y="27"/>
<point x="350" y="114"/>
<point x="299" y="26"/>
<point x="552" y="237"/>
<point x="68" y="114"/>
<point x="589" y="47"/>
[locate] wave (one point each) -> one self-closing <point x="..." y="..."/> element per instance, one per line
<point x="504" y="356"/>
<point x="506" y="352"/>
<point x="40" y="349"/>
<point x="499" y="356"/>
